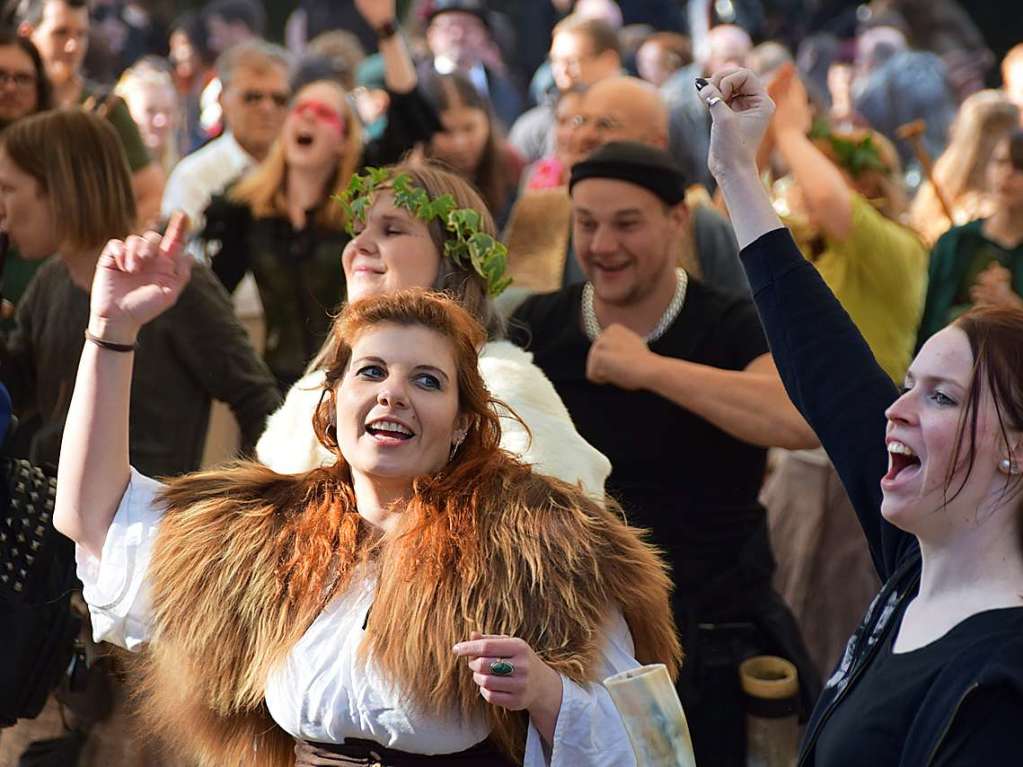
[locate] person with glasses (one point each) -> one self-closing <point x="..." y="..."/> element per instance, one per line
<point x="60" y="31"/>
<point x="254" y="98"/>
<point x="24" y="90"/>
<point x="583" y="51"/>
<point x="279" y="222"/>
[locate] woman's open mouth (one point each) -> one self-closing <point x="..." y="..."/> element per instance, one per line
<point x="304" y="139"/>
<point x="387" y="431"/>
<point x="903" y="462"/>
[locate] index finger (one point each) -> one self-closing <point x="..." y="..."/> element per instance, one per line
<point x="174" y="236"/>
<point x="493" y="647"/>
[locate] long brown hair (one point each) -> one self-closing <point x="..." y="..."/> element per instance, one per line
<point x="984" y="119"/>
<point x="459" y="281"/>
<point x="492" y="175"/>
<point x="996" y="339"/>
<point x="265" y="190"/>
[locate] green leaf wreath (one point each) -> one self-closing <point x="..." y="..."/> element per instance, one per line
<point x="468" y="246"/>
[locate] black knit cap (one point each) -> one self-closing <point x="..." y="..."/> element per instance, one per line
<point x="639" y="164"/>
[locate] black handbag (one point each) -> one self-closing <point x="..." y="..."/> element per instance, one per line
<point x="37" y="577"/>
<point x="28" y="540"/>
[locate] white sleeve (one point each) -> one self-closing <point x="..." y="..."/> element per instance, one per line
<point x="555" y="448"/>
<point x="590" y="731"/>
<point x="183" y="192"/>
<point x="116" y="584"/>
<point x="289" y="445"/>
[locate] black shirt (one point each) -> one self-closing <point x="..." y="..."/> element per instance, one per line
<point x="957" y="701"/>
<point x="879" y="710"/>
<point x="694" y="486"/>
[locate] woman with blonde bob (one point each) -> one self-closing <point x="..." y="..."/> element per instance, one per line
<point x="279" y="221"/>
<point x="426" y="599"/>
<point x="392" y="248"/>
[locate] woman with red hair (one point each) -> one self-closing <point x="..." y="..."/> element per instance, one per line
<point x="427" y="598"/>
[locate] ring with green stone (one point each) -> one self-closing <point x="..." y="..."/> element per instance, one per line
<point x="502" y="668"/>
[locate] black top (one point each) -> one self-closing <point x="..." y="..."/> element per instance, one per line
<point x="949" y="687"/>
<point x="880" y="709"/>
<point x="675" y="473"/>
<point x="194" y="352"/>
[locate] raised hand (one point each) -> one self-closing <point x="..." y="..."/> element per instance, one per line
<point x="377" y="13"/>
<point x="138" y="279"/>
<point x="792" y="111"/>
<point x="740" y="111"/>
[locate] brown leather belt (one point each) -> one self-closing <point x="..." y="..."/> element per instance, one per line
<point x="367" y="753"/>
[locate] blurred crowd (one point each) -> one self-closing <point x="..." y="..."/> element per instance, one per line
<point x="895" y="155"/>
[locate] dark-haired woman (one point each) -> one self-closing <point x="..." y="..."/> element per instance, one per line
<point x="27" y="92"/>
<point x="934" y="674"/>
<point x="981" y="262"/>
<point x="471" y="142"/>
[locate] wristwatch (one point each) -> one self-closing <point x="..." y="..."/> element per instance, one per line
<point x="387" y="30"/>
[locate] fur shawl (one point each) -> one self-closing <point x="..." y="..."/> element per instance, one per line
<point x="542" y="566"/>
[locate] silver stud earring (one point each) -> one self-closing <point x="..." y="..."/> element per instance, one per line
<point x="1007" y="466"/>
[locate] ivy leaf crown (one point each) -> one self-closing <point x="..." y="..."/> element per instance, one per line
<point x="855" y="156"/>
<point x="467" y="246"/>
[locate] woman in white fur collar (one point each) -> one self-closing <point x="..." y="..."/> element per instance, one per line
<point x="394" y="248"/>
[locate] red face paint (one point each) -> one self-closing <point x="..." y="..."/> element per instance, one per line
<point x="320" y="111"/>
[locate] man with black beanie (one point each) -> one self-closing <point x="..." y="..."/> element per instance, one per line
<point x="672" y="380"/>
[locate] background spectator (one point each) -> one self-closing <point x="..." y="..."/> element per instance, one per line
<point x="583" y="51"/>
<point x="60" y="30"/>
<point x="471" y="143"/>
<point x="255" y="78"/>
<point x="458" y="37"/>
<point x="661" y="55"/>
<point x="961" y="173"/>
<point x="192" y="68"/>
<point x="981" y="262"/>
<point x="148" y="89"/>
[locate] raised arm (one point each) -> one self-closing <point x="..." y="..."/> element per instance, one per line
<point x="827" y="368"/>
<point x="410" y="118"/>
<point x="826" y="195"/>
<point x="399" y="69"/>
<point x="135" y="281"/>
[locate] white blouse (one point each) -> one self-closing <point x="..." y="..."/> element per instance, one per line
<point x="322" y="691"/>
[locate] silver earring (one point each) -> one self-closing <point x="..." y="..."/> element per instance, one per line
<point x="1007" y="466"/>
<point x="459" y="439"/>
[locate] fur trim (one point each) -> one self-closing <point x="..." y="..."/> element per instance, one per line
<point x="538" y="560"/>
